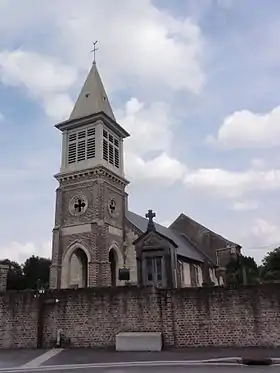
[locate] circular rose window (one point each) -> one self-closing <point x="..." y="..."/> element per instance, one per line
<point x="112" y="207"/>
<point x="78" y="205"/>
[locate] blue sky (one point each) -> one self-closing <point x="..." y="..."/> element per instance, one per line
<point x="196" y="83"/>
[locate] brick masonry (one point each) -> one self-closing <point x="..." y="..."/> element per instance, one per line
<point x="18" y="320"/>
<point x="190" y="317"/>
<point x="3" y="276"/>
<point x="98" y="186"/>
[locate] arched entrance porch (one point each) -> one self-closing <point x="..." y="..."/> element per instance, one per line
<point x="75" y="267"/>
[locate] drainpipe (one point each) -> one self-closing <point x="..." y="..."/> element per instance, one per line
<point x="58" y="337"/>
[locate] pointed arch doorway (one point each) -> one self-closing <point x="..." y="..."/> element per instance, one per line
<point x="78" y="276"/>
<point x="75" y="267"/>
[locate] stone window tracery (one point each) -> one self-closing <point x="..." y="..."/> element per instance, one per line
<point x="78" y="205"/>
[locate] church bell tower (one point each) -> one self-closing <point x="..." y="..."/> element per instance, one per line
<point x="89" y="227"/>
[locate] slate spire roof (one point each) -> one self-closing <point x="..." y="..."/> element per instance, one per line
<point x="92" y="98"/>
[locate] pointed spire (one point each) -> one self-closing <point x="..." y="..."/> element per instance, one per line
<point x="93" y="98"/>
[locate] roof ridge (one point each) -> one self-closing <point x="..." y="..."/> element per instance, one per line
<point x="203" y="226"/>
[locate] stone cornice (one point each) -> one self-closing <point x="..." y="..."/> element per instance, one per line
<point x="89" y="119"/>
<point x="97" y="172"/>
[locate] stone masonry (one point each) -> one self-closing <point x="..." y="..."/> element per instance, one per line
<point x="94" y="230"/>
<point x="3" y="276"/>
<point x="98" y="187"/>
<point x="89" y="229"/>
<point x="190" y="317"/>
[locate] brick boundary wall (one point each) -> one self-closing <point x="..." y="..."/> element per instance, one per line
<point x="190" y="317"/>
<point x="3" y="276"/>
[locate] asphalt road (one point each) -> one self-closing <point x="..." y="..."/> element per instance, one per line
<point x="85" y="360"/>
<point x="16" y="358"/>
<point x="189" y="369"/>
<point x="88" y="356"/>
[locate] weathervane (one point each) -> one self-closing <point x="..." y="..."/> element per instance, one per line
<point x="94" y="50"/>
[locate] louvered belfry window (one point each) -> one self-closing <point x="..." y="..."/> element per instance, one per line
<point x="81" y="145"/>
<point x="111" y="153"/>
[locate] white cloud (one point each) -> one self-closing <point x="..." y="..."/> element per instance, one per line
<point x="161" y="169"/>
<point x="44" y="78"/>
<point x="257" y="163"/>
<point x="58" y="106"/>
<point x="149" y="126"/>
<point x="245" y="129"/>
<point x="142" y="49"/>
<point x="152" y="50"/>
<point x="151" y="131"/>
<point x="258" y="237"/>
<point x="245" y="205"/>
<point x="149" y="43"/>
<point x="265" y="232"/>
<point x="20" y="252"/>
<point x="141" y="40"/>
<point x="165" y="223"/>
<point x="232" y="184"/>
<point x="1" y="117"/>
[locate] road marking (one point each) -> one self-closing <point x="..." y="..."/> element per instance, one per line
<point x="129" y="364"/>
<point x="35" y="363"/>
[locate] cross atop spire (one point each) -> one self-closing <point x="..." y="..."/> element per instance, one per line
<point x="94" y="50"/>
<point x="93" y="98"/>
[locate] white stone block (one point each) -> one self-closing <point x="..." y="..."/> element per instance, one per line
<point x="115" y="231"/>
<point x="139" y="341"/>
<point x="75" y="229"/>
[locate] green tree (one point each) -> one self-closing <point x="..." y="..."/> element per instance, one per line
<point x="270" y="268"/>
<point x="36" y="272"/>
<point x="15" y="280"/>
<point x="242" y="269"/>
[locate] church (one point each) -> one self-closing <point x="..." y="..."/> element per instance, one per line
<point x="97" y="240"/>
